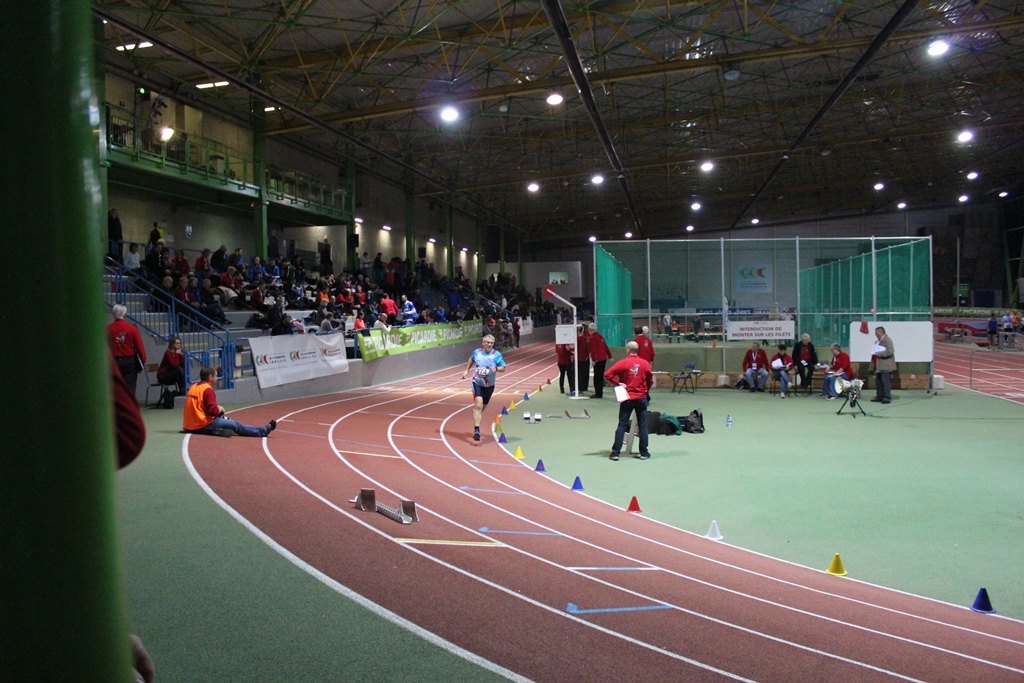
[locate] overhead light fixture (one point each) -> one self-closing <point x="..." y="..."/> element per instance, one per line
<point x="432" y="240"/>
<point x="357" y="219"/>
<point x="879" y="186"/>
<point x="707" y="166"/>
<point x="465" y="249"/>
<point x="166" y="133"/>
<point x="629" y="235"/>
<point x="732" y="74"/>
<point x="695" y="206"/>
<point x="133" y="46"/>
<point x="386" y="227"/>
<point x="901" y="205"/>
<point x="965" y="136"/>
<point x="1004" y="194"/>
<point x="269" y="108"/>
<point x="937" y="48"/>
<point x="963" y="198"/>
<point x="689" y="228"/>
<point x="592" y="238"/>
<point x="533" y="187"/>
<point x="449" y="114"/>
<point x="755" y="221"/>
<point x="555" y="98"/>
<point x="216" y="84"/>
<point x="972" y="175"/>
<point x="597" y="178"/>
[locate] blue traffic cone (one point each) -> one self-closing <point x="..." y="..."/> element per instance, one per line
<point x="577" y="485"/>
<point x="526" y="397"/>
<point x="982" y="603"/>
<point x="539" y="467"/>
<point x="501" y="438"/>
<point x="504" y="410"/>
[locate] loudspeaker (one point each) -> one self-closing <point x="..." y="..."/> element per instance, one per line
<point x="353" y="241"/>
<point x="422" y="252"/>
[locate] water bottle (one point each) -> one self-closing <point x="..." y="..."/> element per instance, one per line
<point x="728" y="421"/>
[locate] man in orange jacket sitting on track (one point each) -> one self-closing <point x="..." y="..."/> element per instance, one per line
<point x="204" y="416"/>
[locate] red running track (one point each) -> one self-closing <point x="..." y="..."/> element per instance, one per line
<point x="537" y="581"/>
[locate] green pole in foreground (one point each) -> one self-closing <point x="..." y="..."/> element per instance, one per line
<point x="62" y="614"/>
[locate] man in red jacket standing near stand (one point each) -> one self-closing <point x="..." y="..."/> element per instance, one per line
<point x="600" y="354"/>
<point x="634" y="373"/>
<point x="126" y="345"/>
<point x="644" y="344"/>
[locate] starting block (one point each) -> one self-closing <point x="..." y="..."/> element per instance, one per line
<point x="532" y="418"/>
<point x="583" y="416"/>
<point x="404" y="514"/>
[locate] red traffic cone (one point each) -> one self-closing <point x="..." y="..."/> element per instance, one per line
<point x="634" y="506"/>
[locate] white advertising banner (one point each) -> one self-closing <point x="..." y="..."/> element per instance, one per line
<point x="759" y="329"/>
<point x="295" y="357"/>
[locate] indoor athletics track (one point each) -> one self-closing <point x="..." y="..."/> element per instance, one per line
<point x="996" y="373"/>
<point x="536" y="581"/>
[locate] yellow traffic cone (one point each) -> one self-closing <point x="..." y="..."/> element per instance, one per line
<point x="540" y="388"/>
<point x="512" y="405"/>
<point x="836" y="568"/>
<point x="519" y="453"/>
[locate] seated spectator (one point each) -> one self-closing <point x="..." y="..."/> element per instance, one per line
<point x="283" y="326"/>
<point x="839" y="367"/>
<point x="327" y="324"/>
<point x="805" y="359"/>
<point x="273" y="269"/>
<point x="203" y="263"/>
<point x="171" y="373"/>
<point x="204" y="416"/>
<point x="156" y="262"/>
<point x="257" y="297"/>
<point x="439" y="315"/>
<point x="132" y="260"/>
<point x="180" y="264"/>
<point x="210" y="299"/>
<point x="227" y="278"/>
<point x="409" y="313"/>
<point x="781" y="366"/>
<point x="755" y="362"/>
<point x="237" y="259"/>
<point x="219" y="260"/>
<point x="257" y="271"/>
<point x="360" y="322"/>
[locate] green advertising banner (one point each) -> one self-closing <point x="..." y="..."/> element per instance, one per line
<point x="379" y="343"/>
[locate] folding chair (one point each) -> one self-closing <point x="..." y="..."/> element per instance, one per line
<point x="686" y="380"/>
<point x="151" y="384"/>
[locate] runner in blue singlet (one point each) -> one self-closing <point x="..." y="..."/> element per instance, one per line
<point x="487" y="361"/>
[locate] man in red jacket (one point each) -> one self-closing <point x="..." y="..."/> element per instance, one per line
<point x="634" y="373"/>
<point x="645" y="344"/>
<point x="600" y="354"/>
<point x="755" y="364"/>
<point x="126" y="345"/>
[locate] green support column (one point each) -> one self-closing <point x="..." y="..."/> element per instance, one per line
<point x="449" y="240"/>
<point x="62" y="611"/>
<point x="501" y="249"/>
<point x="259" y="152"/>
<point x="410" y="217"/>
<point x="351" y="252"/>
<point x="481" y="259"/>
<point x="100" y="92"/>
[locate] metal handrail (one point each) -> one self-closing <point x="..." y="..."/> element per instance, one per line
<point x="213" y="340"/>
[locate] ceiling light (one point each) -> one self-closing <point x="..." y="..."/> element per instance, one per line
<point x="695" y="206"/>
<point x="597" y="179"/>
<point x="204" y="86"/>
<point x="592" y="238"/>
<point x="901" y="205"/>
<point x="269" y="108"/>
<point x="432" y="240"/>
<point x="465" y="249"/>
<point x="629" y="235"/>
<point x="166" y="133"/>
<point x="1003" y="194"/>
<point x="689" y="228"/>
<point x="357" y="219"/>
<point x="533" y="187"/>
<point x="879" y="186"/>
<point x="449" y="114"/>
<point x="555" y="98"/>
<point x="220" y="84"/>
<point x="707" y="166"/>
<point x="965" y="136"/>
<point x="972" y="175"/>
<point x="755" y="221"/>
<point x="963" y="198"/>
<point x="386" y="227"/>
<point x="937" y="48"/>
<point x="731" y="75"/>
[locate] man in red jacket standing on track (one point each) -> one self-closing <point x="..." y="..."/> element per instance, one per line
<point x="600" y="354"/>
<point x="635" y="374"/>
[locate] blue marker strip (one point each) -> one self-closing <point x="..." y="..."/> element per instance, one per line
<point x="513" y="493"/>
<point x="573" y="609"/>
<point x="485" y="530"/>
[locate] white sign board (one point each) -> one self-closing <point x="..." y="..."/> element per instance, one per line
<point x="565" y="334"/>
<point x="525" y="326"/>
<point x="912" y="342"/>
<point x="759" y="329"/>
<point x="295" y="357"/>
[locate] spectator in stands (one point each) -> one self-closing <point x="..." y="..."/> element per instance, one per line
<point x="378" y="268"/>
<point x="388" y="307"/>
<point x="155" y="262"/>
<point x="282" y="326"/>
<point x="839" y="367"/>
<point x="181" y="291"/>
<point x="171" y="373"/>
<point x="237" y="260"/>
<point x="781" y="365"/>
<point x="327" y="324"/>
<point x="257" y="297"/>
<point x="180" y="264"/>
<point x="115" y="235"/>
<point x="204" y="416"/>
<point x="273" y="269"/>
<point x="439" y="315"/>
<point x="805" y="359"/>
<point x="203" y="263"/>
<point x="755" y="364"/>
<point x="155" y="235"/>
<point x="382" y="322"/>
<point x="126" y="345"/>
<point x="219" y="259"/>
<point x="644" y="344"/>
<point x="227" y="278"/>
<point x="360" y="321"/>
<point x="132" y="260"/>
<point x="409" y="313"/>
<point x="257" y="271"/>
<point x="210" y="298"/>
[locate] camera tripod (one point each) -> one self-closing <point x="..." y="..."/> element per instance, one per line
<point x="852" y="400"/>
